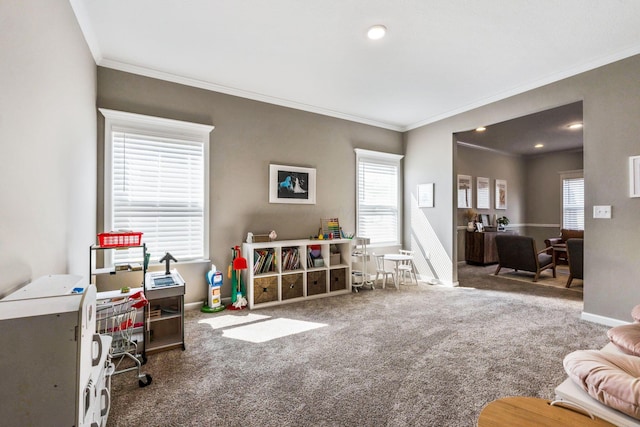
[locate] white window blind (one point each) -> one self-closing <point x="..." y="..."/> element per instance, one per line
<point x="573" y="201"/>
<point x="156" y="182"/>
<point x="378" y="187"/>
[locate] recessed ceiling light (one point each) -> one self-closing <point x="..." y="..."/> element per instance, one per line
<point x="575" y="126"/>
<point x="377" y="32"/>
<point x="538" y="146"/>
<point x="481" y="129"/>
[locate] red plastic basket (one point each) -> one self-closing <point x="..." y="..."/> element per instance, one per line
<point x="116" y="239"/>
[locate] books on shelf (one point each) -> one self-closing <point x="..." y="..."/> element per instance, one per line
<point x="290" y="258"/>
<point x="263" y="261"/>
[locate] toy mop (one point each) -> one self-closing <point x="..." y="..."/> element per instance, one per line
<point x="214" y="279"/>
<point x="238" y="301"/>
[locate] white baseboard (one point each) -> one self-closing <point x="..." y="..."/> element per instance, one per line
<point x="601" y="320"/>
<point x="198" y="305"/>
<point x="193" y="305"/>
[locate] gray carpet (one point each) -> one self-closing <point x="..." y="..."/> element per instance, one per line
<point x="421" y="356"/>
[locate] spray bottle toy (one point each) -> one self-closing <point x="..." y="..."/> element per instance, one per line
<point x="214" y="280"/>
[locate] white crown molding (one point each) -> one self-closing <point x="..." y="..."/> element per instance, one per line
<point x="161" y="75"/>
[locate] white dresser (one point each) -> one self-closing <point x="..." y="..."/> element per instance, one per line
<point x="55" y="369"/>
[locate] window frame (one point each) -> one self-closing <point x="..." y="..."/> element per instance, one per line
<point x="155" y="126"/>
<point x="565" y="175"/>
<point x="388" y="159"/>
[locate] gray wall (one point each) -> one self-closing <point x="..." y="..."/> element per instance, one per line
<point x="494" y="166"/>
<point x="543" y="211"/>
<point x="48" y="133"/>
<point x="428" y="231"/>
<point x="611" y="103"/>
<point x="248" y="136"/>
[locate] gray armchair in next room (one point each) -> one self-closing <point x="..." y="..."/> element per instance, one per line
<point x="575" y="256"/>
<point x="519" y="253"/>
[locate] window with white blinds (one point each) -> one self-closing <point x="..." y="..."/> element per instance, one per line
<point x="156" y="182"/>
<point x="573" y="201"/>
<point x="378" y="197"/>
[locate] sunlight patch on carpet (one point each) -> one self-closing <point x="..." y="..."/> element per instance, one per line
<point x="270" y="330"/>
<point x="219" y="322"/>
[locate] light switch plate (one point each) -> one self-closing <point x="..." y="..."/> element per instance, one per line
<point x="602" y="211"/>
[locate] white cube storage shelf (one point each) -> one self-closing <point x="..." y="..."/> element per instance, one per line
<point x="286" y="271"/>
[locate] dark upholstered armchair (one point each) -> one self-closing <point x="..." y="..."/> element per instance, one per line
<point x="565" y="235"/>
<point x="519" y="253"/>
<point x="575" y="255"/>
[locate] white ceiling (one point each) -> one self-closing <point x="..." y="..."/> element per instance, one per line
<point x="439" y="58"/>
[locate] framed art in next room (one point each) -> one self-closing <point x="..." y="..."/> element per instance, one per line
<point x="465" y="192"/>
<point x="501" y="194"/>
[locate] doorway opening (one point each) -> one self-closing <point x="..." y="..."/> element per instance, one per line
<point x="515" y="170"/>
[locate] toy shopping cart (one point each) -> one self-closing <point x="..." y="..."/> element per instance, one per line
<point x="117" y="318"/>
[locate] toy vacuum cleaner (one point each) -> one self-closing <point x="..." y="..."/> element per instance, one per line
<point x="214" y="279"/>
<point x="238" y="263"/>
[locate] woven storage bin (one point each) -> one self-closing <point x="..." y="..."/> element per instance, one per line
<point x="292" y="286"/>
<point x="265" y="289"/>
<point x="316" y="282"/>
<point x="338" y="279"/>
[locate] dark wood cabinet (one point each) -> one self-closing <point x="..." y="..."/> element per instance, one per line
<point x="480" y="247"/>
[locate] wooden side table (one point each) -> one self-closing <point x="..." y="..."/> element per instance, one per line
<point x="559" y="248"/>
<point x="534" y="412"/>
<point x="480" y="248"/>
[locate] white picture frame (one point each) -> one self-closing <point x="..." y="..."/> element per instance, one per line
<point x="483" y="193"/>
<point x="465" y="192"/>
<point x="292" y="184"/>
<point x="501" y="194"/>
<point x="425" y="195"/>
<point x="634" y="176"/>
